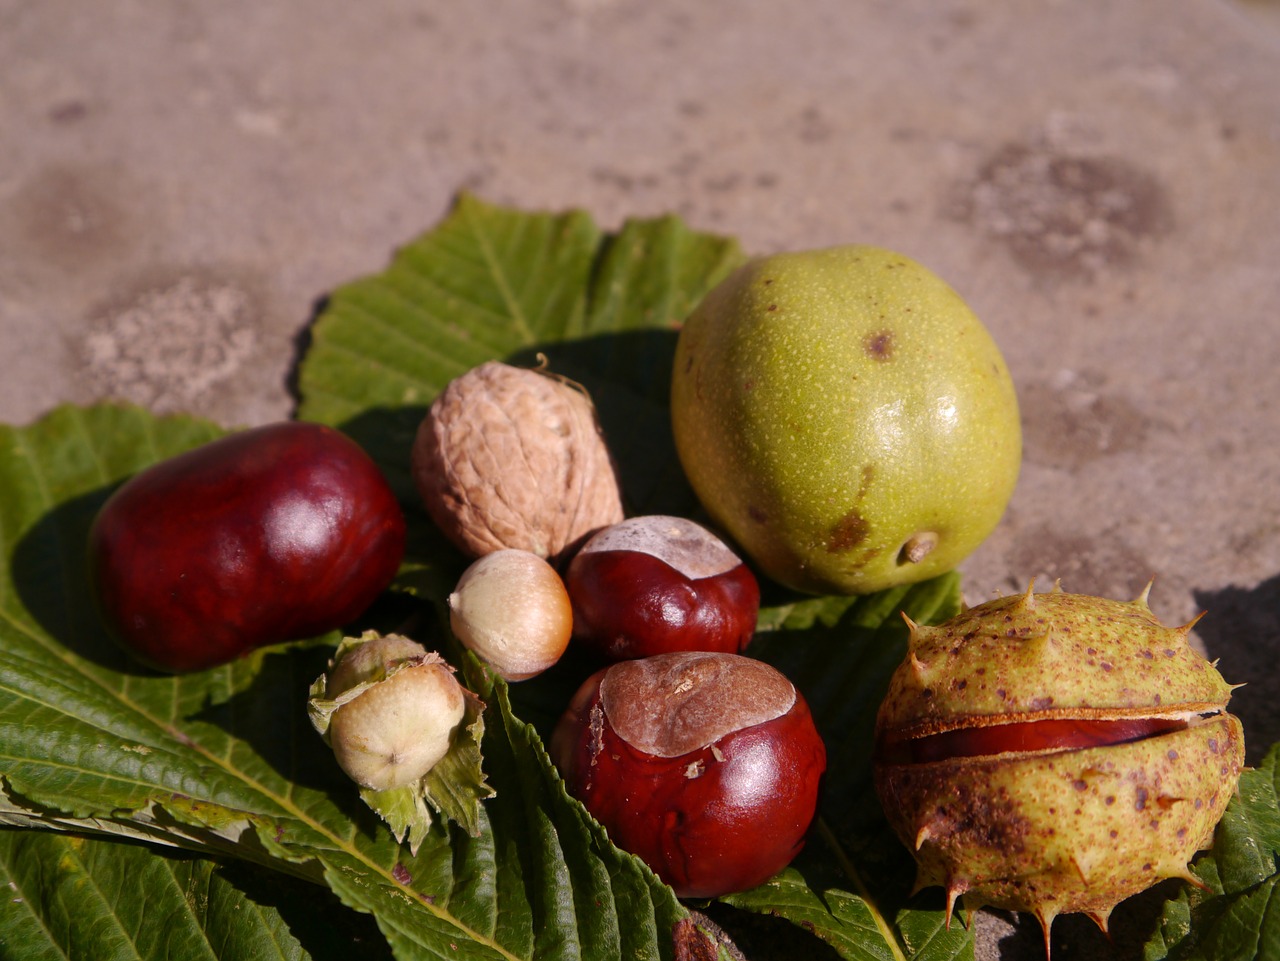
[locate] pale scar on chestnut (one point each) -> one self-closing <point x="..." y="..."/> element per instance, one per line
<point x="690" y="681"/>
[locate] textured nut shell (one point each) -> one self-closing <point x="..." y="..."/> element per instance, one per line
<point x="1065" y="831"/>
<point x="670" y="704"/>
<point x="1050" y="654"/>
<point x="510" y="457"/>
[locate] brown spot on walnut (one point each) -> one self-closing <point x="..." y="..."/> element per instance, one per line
<point x="879" y="345"/>
<point x="850" y="531"/>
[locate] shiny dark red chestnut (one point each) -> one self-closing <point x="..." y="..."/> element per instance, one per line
<point x="268" y="535"/>
<point x="655" y="584"/>
<point x="706" y="766"/>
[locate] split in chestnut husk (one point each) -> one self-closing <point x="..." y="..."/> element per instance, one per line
<point x="1054" y="753"/>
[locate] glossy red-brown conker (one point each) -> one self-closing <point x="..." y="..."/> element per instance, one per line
<point x="267" y="535"/>
<point x="656" y="584"/>
<point x="704" y="765"/>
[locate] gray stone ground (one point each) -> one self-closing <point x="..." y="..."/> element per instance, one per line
<point x="181" y="183"/>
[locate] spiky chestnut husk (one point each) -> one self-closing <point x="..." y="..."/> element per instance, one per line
<point x="1054" y="753"/>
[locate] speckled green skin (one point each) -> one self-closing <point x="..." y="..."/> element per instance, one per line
<point x="1054" y="832"/>
<point x="830" y="404"/>
<point x="1046" y="655"/>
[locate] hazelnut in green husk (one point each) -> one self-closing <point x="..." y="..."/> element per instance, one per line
<point x="405" y="730"/>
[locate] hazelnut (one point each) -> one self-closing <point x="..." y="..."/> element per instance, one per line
<point x="509" y="457"/>
<point x="511" y="608"/>
<point x="395" y="709"/>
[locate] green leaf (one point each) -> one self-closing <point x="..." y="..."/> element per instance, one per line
<point x="492" y="283"/>
<point x="1237" y="916"/>
<point x="64" y="896"/>
<point x="225" y="762"/>
<point x="843" y="920"/>
<point x="854" y="877"/>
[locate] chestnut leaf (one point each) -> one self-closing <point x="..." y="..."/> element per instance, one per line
<point x="490" y="283"/>
<point x="68" y="896"/>
<point x="1238" y="915"/>
<point x="223" y="762"/>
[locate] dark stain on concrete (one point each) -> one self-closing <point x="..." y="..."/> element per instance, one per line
<point x="72" y="218"/>
<point x="1064" y="216"/>
<point x="1070" y="428"/>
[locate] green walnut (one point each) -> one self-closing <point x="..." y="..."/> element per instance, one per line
<point x="844" y="416"/>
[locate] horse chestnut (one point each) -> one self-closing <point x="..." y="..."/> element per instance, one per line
<point x="704" y="765"/>
<point x="656" y="584"/>
<point x="268" y="535"/>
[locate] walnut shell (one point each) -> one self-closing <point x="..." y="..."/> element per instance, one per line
<point x="509" y="457"/>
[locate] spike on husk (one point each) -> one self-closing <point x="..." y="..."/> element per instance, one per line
<point x="1186" y="628"/>
<point x="1142" y="599"/>
<point x="955" y="888"/>
<point x="1039" y="645"/>
<point x="1046" y="915"/>
<point x="917" y="665"/>
<point x="1102" y="919"/>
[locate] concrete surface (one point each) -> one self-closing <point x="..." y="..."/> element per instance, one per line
<point x="181" y="182"/>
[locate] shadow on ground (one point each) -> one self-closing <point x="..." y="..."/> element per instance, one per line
<point x="1242" y="629"/>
